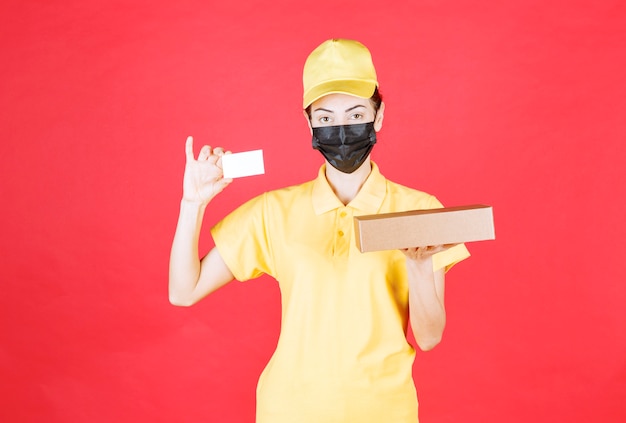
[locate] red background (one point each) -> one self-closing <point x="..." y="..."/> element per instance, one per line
<point x="519" y="104"/>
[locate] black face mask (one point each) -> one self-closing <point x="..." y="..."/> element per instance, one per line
<point x="345" y="146"/>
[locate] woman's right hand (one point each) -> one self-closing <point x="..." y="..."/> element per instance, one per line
<point x="203" y="178"/>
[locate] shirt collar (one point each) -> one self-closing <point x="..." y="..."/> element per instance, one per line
<point x="368" y="200"/>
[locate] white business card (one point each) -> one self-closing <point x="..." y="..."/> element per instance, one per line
<point x="247" y="163"/>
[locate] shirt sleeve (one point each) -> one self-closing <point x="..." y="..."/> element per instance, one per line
<point x="242" y="240"/>
<point x="448" y="258"/>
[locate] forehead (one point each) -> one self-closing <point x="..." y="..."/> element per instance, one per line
<point x="340" y="103"/>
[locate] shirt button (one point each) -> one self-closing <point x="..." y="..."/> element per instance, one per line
<point x="343" y="214"/>
<point x="340" y="233"/>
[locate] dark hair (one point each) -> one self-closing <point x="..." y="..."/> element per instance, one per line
<point x="376" y="99"/>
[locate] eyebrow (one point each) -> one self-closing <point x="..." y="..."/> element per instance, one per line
<point x="321" y="109"/>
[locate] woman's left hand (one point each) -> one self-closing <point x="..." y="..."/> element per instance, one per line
<point x="423" y="253"/>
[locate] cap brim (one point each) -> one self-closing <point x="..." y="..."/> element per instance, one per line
<point x="358" y="88"/>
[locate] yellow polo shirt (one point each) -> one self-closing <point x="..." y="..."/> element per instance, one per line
<point x="342" y="354"/>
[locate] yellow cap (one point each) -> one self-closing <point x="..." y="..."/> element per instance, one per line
<point x="338" y="66"/>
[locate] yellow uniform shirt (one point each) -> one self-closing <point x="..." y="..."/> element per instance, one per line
<point x="342" y="355"/>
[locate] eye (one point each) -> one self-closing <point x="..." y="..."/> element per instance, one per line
<point x="324" y="119"/>
<point x="357" y="116"/>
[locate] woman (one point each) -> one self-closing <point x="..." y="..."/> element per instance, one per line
<point x="342" y="354"/>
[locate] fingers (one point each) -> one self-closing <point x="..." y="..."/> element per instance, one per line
<point x="224" y="182"/>
<point x="433" y="249"/>
<point x="425" y="252"/>
<point x="189" y="149"/>
<point x="205" y="152"/>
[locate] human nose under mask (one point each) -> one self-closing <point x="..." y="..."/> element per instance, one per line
<point x="345" y="147"/>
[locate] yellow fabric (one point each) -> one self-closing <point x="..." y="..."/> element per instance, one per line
<point x="338" y="66"/>
<point x="342" y="354"/>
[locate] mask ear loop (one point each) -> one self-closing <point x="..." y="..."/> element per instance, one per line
<point x="316" y="142"/>
<point x="372" y="134"/>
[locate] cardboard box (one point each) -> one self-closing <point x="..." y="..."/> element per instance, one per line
<point x="420" y="228"/>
